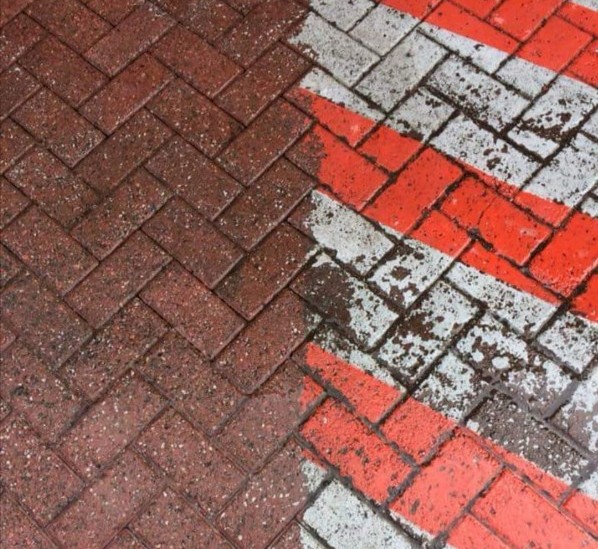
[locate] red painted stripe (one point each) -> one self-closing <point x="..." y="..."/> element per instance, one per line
<point x="547" y="40"/>
<point x="567" y="258"/>
<point x="438" y="494"/>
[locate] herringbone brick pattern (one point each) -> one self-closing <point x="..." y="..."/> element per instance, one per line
<point x="257" y="289"/>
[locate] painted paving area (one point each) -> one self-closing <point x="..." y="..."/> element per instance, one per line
<point x="298" y="274"/>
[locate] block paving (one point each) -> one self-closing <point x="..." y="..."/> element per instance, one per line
<point x="299" y="274"/>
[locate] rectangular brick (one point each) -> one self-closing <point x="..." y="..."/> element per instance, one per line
<point x="192" y="309"/>
<point x="333" y="225"/>
<point x="347" y="173"/>
<point x="339" y="295"/>
<point x="194" y="177"/>
<point x="261" y="83"/>
<point x="117" y="279"/>
<point x="247" y="436"/>
<point x="436" y="498"/>
<point x="195" y="117"/>
<point x="123" y="151"/>
<point x="126" y="93"/>
<point x="131" y="37"/>
<point x="18" y="530"/>
<point x="510" y="230"/>
<point x="191" y="460"/>
<point x="9" y="267"/>
<point x="106" y="506"/>
<point x="70" y="21"/>
<point x="259" y="30"/>
<point x="178" y="228"/>
<point x="113" y="11"/>
<point x="267" y="270"/>
<point x="16" y="86"/>
<point x="42" y="320"/>
<point x="523" y="518"/>
<point x="121" y="213"/>
<point x="422" y="335"/>
<point x="189" y="379"/>
<point x="29" y="387"/>
<point x="185" y="526"/>
<point x="111" y="424"/>
<point x="334" y="50"/>
<point x="265" y="204"/>
<point x="576" y="246"/>
<point x="208" y="18"/>
<point x="13" y="202"/>
<point x="48" y="250"/>
<point x="196" y="61"/>
<point x="269" y="501"/>
<point x="67" y="74"/>
<point x="14" y="142"/>
<point x="113" y="349"/>
<point x="27" y="464"/>
<point x="268" y="137"/>
<point x="11" y="8"/>
<point x="374" y="467"/>
<point x="59" y="127"/>
<point x="267" y="342"/>
<point x="48" y="181"/>
<point x="16" y="38"/>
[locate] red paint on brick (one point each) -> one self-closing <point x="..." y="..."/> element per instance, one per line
<point x="389" y="149"/>
<point x="586" y="302"/>
<point x="443" y="488"/>
<point x="405" y="201"/>
<point x="508" y="229"/>
<point x="339" y="120"/>
<point x="569" y="256"/>
<point x="520" y="18"/>
<point x="370" y="396"/>
<point x="555" y="44"/>
<point x="417" y="8"/>
<point x="585" y="67"/>
<point x="373" y="466"/>
<point x="481" y="8"/>
<point x="516" y="512"/>
<point x="584" y="509"/>
<point x="552" y="212"/>
<point x="348" y="174"/>
<point x="582" y="16"/>
<point x="415" y="428"/>
<point x="470" y="533"/>
<point x="439" y="232"/>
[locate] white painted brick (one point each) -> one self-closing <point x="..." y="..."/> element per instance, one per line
<point x="322" y="84"/>
<point x="533" y="142"/>
<point x="346" y="300"/>
<point x="477" y="93"/>
<point x="420" y="115"/>
<point x="336" y="51"/>
<point x="590" y="485"/>
<point x="426" y="330"/>
<point x="336" y="227"/>
<point x="570" y="174"/>
<point x="485" y="57"/>
<point x="308" y="541"/>
<point x="579" y="417"/>
<point x="561" y="109"/>
<point x="401" y="70"/>
<point x="499" y="352"/>
<point x="451" y="388"/>
<point x="590" y="207"/>
<point x="344" y="521"/>
<point x="465" y="140"/>
<point x="573" y="339"/>
<point x="342" y="13"/>
<point x="592" y="4"/>
<point x="410" y="271"/>
<point x="524" y="76"/>
<point x="383" y="27"/>
<point x="524" y="312"/>
<point x="591" y="126"/>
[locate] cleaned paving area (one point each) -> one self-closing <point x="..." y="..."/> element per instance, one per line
<point x="298" y="274"/>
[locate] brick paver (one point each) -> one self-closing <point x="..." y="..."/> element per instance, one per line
<point x="298" y="274"/>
